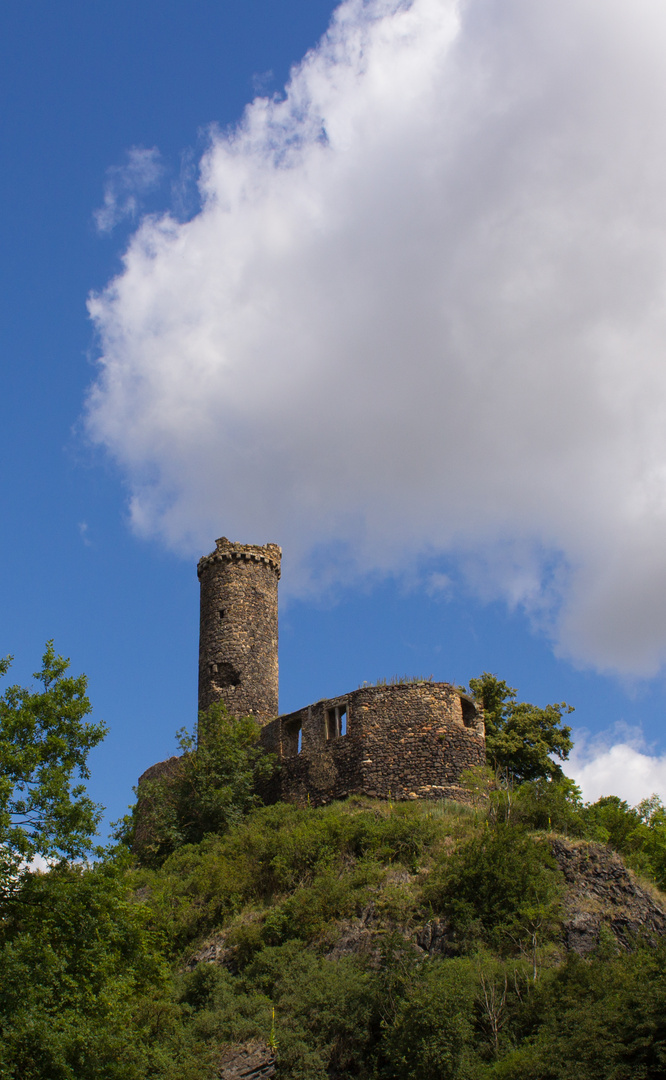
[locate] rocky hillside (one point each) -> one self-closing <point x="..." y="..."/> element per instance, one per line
<point x="602" y="892"/>
<point x="341" y="919"/>
<point x="599" y="892"/>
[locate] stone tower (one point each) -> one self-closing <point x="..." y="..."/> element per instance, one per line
<point x="238" y="637"/>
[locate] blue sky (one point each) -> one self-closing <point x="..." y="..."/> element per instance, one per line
<point x="407" y="321"/>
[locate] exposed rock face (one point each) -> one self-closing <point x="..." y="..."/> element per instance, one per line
<point x="602" y="892"/>
<point x="358" y="937"/>
<point x="247" y="1062"/>
<point x="434" y="937"/>
<point x="214" y="951"/>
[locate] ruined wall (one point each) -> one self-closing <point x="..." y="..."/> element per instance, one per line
<point x="238" y="637"/>
<point x="153" y="791"/>
<point x="406" y="741"/>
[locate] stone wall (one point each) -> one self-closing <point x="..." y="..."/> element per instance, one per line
<point x="406" y="741"/>
<point x="238" y="638"/>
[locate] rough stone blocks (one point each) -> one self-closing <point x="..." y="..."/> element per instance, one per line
<point x="238" y="637"/>
<point x="404" y="741"/>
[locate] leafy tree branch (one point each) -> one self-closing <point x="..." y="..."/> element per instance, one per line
<point x="44" y="745"/>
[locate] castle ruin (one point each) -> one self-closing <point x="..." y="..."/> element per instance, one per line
<point x="402" y="741"/>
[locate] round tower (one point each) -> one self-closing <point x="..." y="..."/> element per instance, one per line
<point x="238" y="637"/>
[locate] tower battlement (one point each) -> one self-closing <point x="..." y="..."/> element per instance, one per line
<point x="229" y="551"/>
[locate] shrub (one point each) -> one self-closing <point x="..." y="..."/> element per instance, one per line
<point x="501" y="886"/>
<point x="432" y="1033"/>
<point x="211" y="787"/>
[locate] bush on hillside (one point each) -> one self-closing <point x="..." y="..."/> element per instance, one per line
<point x="212" y="786"/>
<point x="501" y="887"/>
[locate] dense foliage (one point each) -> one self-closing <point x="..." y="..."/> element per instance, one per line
<point x="212" y="785"/>
<point x="314" y="913"/>
<point x="521" y="739"/>
<point x="44" y="745"/>
<point x="86" y="990"/>
<point x="315" y="920"/>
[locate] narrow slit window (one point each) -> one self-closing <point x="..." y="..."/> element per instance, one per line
<point x="331" y="732"/>
<point x="222" y="613"/>
<point x="343" y="721"/>
<point x="470" y="715"/>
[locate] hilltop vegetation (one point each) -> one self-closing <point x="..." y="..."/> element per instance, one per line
<point x="375" y="940"/>
<point x="300" y="928"/>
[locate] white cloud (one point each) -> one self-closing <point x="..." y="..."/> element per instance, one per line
<point x="623" y="767"/>
<point x="439" y="584"/>
<point x="422" y="310"/>
<point x="125" y="184"/>
<point x="84" y="532"/>
<point x="39" y="865"/>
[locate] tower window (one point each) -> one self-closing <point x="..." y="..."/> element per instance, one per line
<point x="222" y="612"/>
<point x="226" y="673"/>
<point x="336" y="722"/>
<point x="469" y="712"/>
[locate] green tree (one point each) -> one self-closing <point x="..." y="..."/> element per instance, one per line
<point x="521" y="739"/>
<point x="86" y="991"/>
<point x="638" y="832"/>
<point x="599" y="1018"/>
<point x="210" y="787"/>
<point x="554" y="803"/>
<point x="44" y="745"/>
<point x="432" y="1034"/>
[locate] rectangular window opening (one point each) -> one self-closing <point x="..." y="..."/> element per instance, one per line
<point x="336" y="722"/>
<point x="292" y="739"/>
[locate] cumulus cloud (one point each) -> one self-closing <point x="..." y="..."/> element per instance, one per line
<point x="124" y="186"/>
<point x="618" y="764"/>
<point x="421" y="313"/>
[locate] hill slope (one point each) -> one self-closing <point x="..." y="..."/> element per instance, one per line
<point x="412" y="940"/>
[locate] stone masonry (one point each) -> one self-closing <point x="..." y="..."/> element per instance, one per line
<point x="410" y="740"/>
<point x="403" y="741"/>
<point x="238" y="637"/>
